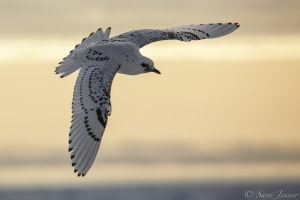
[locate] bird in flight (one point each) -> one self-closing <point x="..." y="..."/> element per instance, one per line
<point x="99" y="57"/>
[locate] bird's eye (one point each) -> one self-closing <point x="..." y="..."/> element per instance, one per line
<point x="145" y="65"/>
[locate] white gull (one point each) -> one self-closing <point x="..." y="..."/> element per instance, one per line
<point x="99" y="58"/>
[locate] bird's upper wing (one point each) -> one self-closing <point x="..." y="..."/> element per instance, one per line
<point x="74" y="60"/>
<point x="91" y="107"/>
<point x="183" y="33"/>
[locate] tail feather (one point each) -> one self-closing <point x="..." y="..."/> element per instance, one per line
<point x="73" y="61"/>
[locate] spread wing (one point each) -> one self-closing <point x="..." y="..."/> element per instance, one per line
<point x="91" y="108"/>
<point x="183" y="33"/>
<point x="74" y="60"/>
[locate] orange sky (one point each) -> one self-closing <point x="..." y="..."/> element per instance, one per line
<point x="231" y="99"/>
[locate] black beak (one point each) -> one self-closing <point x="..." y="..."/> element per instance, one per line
<point x="156" y="71"/>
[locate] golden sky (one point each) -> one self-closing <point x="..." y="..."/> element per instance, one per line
<point x="231" y="102"/>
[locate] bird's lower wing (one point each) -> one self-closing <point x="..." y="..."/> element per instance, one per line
<point x="91" y="107"/>
<point x="183" y="33"/>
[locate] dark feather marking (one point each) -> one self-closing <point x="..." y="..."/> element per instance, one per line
<point x="89" y="130"/>
<point x="100" y="118"/>
<point x="191" y="36"/>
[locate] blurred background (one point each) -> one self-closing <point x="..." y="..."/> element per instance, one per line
<point x="223" y="110"/>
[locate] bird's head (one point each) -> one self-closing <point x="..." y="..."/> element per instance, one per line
<point x="148" y="65"/>
<point x="136" y="63"/>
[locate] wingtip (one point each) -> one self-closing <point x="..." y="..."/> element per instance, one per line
<point x="236" y="24"/>
<point x="80" y="174"/>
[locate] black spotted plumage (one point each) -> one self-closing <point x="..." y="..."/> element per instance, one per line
<point x="99" y="58"/>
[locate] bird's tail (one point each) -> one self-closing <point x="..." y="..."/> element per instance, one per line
<point x="73" y="61"/>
